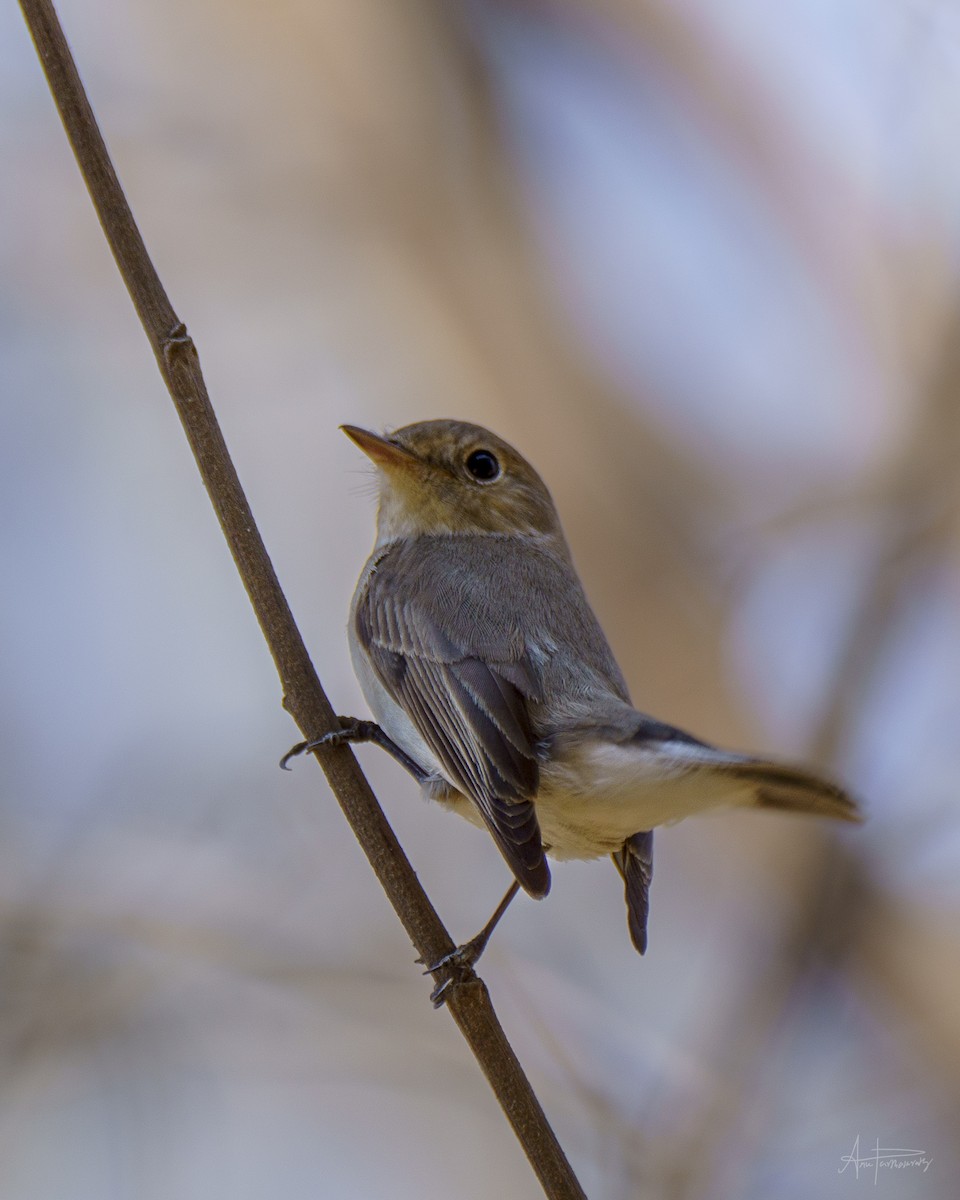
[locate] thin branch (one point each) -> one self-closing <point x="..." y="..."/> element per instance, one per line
<point x="469" y="1003"/>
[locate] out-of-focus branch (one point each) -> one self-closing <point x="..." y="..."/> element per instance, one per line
<point x="469" y="1003"/>
<point x="836" y="898"/>
<point x="734" y="101"/>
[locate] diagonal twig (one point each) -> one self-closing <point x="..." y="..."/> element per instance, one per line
<point x="469" y="1003"/>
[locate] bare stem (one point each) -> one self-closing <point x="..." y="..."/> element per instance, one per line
<point x="177" y="358"/>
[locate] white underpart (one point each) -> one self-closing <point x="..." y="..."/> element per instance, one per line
<point x="594" y="795"/>
<point x="390" y="716"/>
<point x="590" y="803"/>
<point x="602" y="792"/>
<point x="598" y="794"/>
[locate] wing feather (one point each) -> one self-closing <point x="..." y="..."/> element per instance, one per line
<point x="468" y="696"/>
<point x="634" y="861"/>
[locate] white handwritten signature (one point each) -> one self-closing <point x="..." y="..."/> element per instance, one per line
<point x="877" y="1157"/>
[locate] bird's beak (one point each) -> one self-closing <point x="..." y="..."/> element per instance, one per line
<point x="382" y="452"/>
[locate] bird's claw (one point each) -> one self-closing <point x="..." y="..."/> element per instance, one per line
<point x="351" y="730"/>
<point x="457" y="968"/>
<point x="334" y="738"/>
<point x="292" y="753"/>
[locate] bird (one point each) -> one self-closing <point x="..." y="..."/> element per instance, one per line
<point x="492" y="682"/>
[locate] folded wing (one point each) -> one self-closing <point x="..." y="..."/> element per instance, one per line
<point x="466" y="687"/>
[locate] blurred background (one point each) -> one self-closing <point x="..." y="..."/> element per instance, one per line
<point x="700" y="261"/>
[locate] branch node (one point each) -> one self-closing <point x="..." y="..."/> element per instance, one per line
<point x="177" y="343"/>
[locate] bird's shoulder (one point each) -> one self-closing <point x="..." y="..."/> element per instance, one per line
<point x="515" y="603"/>
<point x="452" y="595"/>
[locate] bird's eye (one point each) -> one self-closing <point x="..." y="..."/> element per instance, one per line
<point x="483" y="466"/>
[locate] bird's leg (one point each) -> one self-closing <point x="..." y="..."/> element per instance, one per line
<point x="458" y="964"/>
<point x="354" y="730"/>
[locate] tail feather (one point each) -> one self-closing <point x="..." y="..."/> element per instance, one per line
<point x="795" y="789"/>
<point x="634" y="861"/>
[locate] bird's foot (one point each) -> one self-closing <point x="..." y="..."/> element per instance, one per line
<point x="455" y="968"/>
<point x="352" y="729"/>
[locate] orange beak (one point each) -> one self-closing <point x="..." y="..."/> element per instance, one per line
<point x="382" y="452"/>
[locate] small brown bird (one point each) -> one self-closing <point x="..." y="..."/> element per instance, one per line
<point x="493" y="683"/>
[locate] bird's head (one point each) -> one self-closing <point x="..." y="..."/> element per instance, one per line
<point x="450" y="477"/>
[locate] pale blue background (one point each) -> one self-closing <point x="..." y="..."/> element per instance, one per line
<point x="699" y="260"/>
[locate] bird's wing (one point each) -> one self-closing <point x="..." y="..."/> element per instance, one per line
<point x="465" y="683"/>
<point x="634" y="861"/>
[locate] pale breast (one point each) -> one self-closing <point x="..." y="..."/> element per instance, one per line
<point x="389" y="715"/>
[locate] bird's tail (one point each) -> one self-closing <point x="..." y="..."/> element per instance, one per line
<point x="795" y="789"/>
